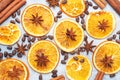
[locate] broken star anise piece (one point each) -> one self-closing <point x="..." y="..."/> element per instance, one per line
<point x="88" y="46"/>
<point x="71" y="34"/>
<point x="53" y="3"/>
<point x="21" y="48"/>
<point x="107" y="61"/>
<point x="103" y="24"/>
<point x="14" y="73"/>
<point x="41" y="59"/>
<point x="36" y="19"/>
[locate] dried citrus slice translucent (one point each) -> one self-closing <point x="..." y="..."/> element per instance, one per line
<point x="37" y="19"/>
<point x="106" y="57"/>
<point x="78" y="68"/>
<point x="73" y="8"/>
<point x="13" y="69"/>
<point x="100" y="24"/>
<point x="43" y="56"/>
<point x="68" y="35"/>
<point x="9" y="34"/>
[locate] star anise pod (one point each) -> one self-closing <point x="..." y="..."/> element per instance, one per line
<point x="21" y="48"/>
<point x="36" y="19"/>
<point x="107" y="61"/>
<point x="53" y="3"/>
<point x="41" y="59"/>
<point x="71" y="34"/>
<point x="14" y="73"/>
<point x="103" y="25"/>
<point x="88" y="46"/>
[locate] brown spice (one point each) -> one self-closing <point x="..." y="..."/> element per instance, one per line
<point x="88" y="46"/>
<point x="103" y="24"/>
<point x="101" y="3"/>
<point x="71" y="34"/>
<point x="99" y="76"/>
<point x="21" y="48"/>
<point x="15" y="73"/>
<point x="107" y="61"/>
<point x="17" y="20"/>
<point x="12" y="21"/>
<point x="41" y="60"/>
<point x="60" y="77"/>
<point x="36" y="19"/>
<point x="53" y="3"/>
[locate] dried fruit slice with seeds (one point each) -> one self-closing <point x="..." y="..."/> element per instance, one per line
<point x="100" y="24"/>
<point x="72" y="8"/>
<point x="37" y="19"/>
<point x="43" y="56"/>
<point x="13" y="69"/>
<point x="106" y="57"/>
<point x="68" y="35"/>
<point x="9" y="34"/>
<point x="78" y="68"/>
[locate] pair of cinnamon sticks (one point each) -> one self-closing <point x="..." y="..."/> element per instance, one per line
<point x="115" y="4"/>
<point x="8" y="7"/>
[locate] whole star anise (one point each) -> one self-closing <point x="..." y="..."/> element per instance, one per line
<point x="36" y="19"/>
<point x="88" y="46"/>
<point x="107" y="61"/>
<point x="21" y="48"/>
<point x="41" y="58"/>
<point x="71" y="34"/>
<point x="103" y="24"/>
<point x="14" y="73"/>
<point x="53" y="3"/>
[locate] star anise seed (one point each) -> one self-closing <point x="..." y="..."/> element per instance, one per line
<point x="88" y="46"/>
<point x="71" y="34"/>
<point x="107" y="61"/>
<point x="103" y="24"/>
<point x="15" y="73"/>
<point x="21" y="48"/>
<point x="53" y="3"/>
<point x="36" y="19"/>
<point x="41" y="59"/>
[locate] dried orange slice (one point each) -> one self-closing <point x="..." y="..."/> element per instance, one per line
<point x="13" y="69"/>
<point x="78" y="68"/>
<point x="100" y="24"/>
<point x="73" y="8"/>
<point x="43" y="56"/>
<point x="37" y="19"/>
<point x="106" y="57"/>
<point x="9" y="34"/>
<point x="68" y="35"/>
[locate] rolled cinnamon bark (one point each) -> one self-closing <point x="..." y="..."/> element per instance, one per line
<point x="9" y="7"/>
<point x="115" y="4"/>
<point x="4" y="4"/>
<point x="12" y="10"/>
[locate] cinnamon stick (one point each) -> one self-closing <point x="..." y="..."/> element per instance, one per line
<point x="10" y="6"/>
<point x="100" y="3"/>
<point x="10" y="12"/>
<point x="115" y="4"/>
<point x="61" y="77"/>
<point x="4" y="4"/>
<point x="99" y="76"/>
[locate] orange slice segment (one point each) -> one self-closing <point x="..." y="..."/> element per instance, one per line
<point x="9" y="34"/>
<point x="78" y="69"/>
<point x="100" y="24"/>
<point x="43" y="56"/>
<point x="13" y="69"/>
<point x="73" y="8"/>
<point x="37" y="19"/>
<point x="68" y="35"/>
<point x="106" y="57"/>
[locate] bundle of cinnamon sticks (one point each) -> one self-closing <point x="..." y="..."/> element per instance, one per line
<point x="8" y="7"/>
